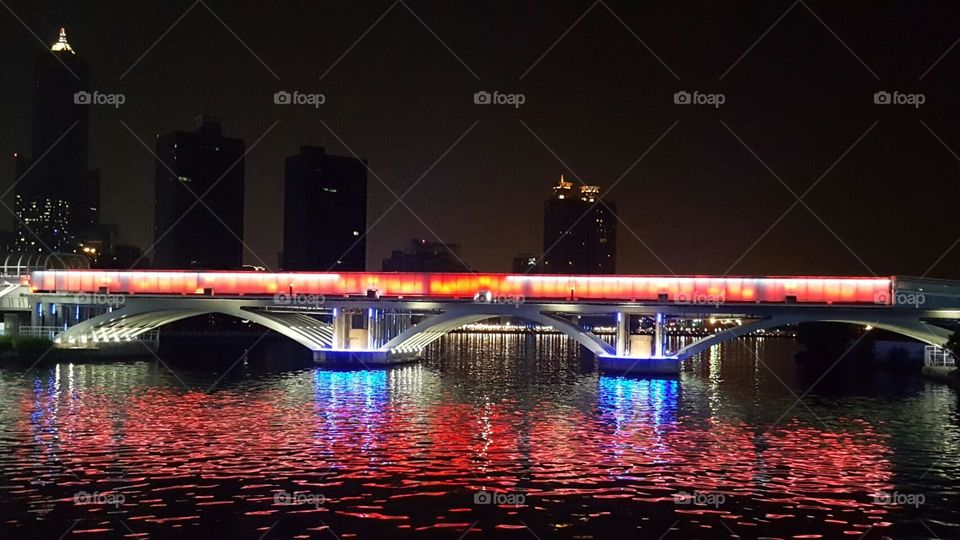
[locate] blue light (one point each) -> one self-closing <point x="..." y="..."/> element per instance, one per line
<point x="352" y="401"/>
<point x="628" y="401"/>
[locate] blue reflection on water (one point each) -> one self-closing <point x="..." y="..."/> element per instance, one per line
<point x="626" y="401"/>
<point x="350" y="402"/>
<point x="364" y="389"/>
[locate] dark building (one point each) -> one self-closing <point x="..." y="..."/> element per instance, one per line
<point x="324" y="212"/>
<point x="123" y="257"/>
<point x="87" y="205"/>
<point x="579" y="232"/>
<point x="104" y="250"/>
<point x="525" y="263"/>
<point x="200" y="164"/>
<point x="426" y="256"/>
<point x="52" y="193"/>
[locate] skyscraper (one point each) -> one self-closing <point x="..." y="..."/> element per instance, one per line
<point x="52" y="198"/>
<point x="579" y="231"/>
<point x="324" y="212"/>
<point x="200" y="164"/>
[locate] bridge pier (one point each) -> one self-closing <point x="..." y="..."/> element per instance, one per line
<point x="361" y="358"/>
<point x="359" y="339"/>
<point x="627" y="362"/>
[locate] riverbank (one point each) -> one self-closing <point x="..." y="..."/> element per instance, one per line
<point x="23" y="348"/>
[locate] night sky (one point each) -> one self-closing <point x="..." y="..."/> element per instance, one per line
<point x="708" y="196"/>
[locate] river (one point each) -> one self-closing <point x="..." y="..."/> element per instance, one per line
<point x="492" y="436"/>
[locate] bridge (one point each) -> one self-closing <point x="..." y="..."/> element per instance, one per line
<point x="366" y="318"/>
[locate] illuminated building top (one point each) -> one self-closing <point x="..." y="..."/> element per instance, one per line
<point x="564" y="189"/>
<point x="62" y="44"/>
<point x="589" y="193"/>
<point x="561" y="188"/>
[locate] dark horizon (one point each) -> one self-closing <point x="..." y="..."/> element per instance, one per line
<point x="713" y="184"/>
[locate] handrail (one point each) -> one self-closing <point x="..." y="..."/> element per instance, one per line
<point x="934" y="356"/>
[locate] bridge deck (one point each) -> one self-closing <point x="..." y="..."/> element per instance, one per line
<point x="501" y="287"/>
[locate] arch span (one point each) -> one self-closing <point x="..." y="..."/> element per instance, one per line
<point x="130" y="322"/>
<point x="910" y="327"/>
<point x="433" y="328"/>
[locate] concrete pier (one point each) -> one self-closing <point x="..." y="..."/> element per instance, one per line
<point x="361" y="358"/>
<point x="639" y="365"/>
<point x="635" y="360"/>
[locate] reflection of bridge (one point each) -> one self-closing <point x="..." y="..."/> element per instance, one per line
<point x="382" y="318"/>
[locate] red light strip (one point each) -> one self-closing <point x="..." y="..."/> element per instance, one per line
<point x="692" y="289"/>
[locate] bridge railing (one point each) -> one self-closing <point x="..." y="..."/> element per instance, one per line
<point x="48" y="332"/>
<point x="51" y="333"/>
<point x="934" y="356"/>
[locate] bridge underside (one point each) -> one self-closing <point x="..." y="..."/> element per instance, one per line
<point x="914" y="328"/>
<point x="377" y="333"/>
<point x="129" y="323"/>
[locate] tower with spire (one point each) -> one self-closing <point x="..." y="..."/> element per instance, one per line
<point x="53" y="200"/>
<point x="62" y="44"/>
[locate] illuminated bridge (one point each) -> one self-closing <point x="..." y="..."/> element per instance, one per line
<point x="365" y="318"/>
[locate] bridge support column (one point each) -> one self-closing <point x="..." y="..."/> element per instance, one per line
<point x="362" y="350"/>
<point x="342" y="322"/>
<point x="378" y="329"/>
<point x="655" y="363"/>
<point x="659" y="336"/>
<point x="623" y="333"/>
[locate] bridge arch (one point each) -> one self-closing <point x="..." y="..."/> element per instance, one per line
<point x="435" y="327"/>
<point x="131" y="321"/>
<point x="911" y="327"/>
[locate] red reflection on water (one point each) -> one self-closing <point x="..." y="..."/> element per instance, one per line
<point x="382" y="458"/>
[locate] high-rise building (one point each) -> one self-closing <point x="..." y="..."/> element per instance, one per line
<point x="324" y="212"/>
<point x="206" y="165"/>
<point x="52" y="192"/>
<point x="579" y="231"/>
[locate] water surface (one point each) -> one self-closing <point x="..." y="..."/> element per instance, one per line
<point x="727" y="449"/>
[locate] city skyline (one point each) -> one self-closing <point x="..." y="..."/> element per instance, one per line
<point x="423" y="269"/>
<point x="720" y="180"/>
